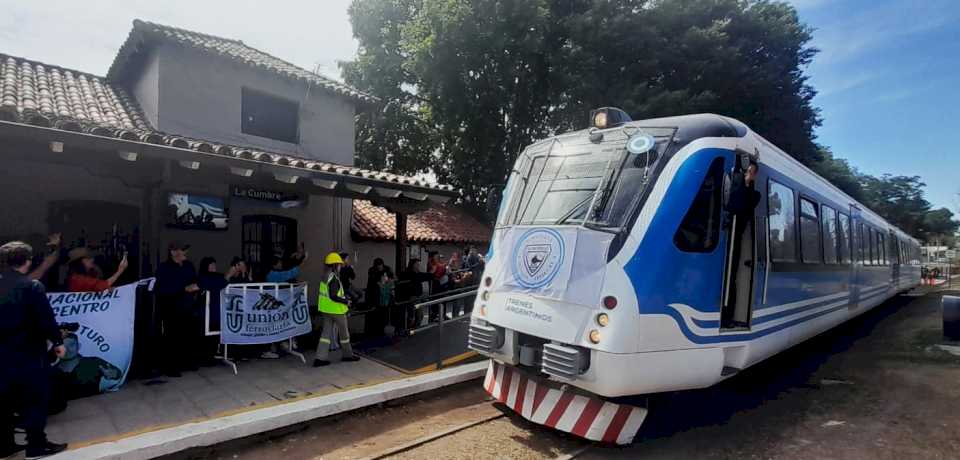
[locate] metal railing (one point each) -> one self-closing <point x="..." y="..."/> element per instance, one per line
<point x="450" y="308"/>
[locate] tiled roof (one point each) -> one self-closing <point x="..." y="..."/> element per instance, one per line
<point x="49" y="96"/>
<point x="438" y="224"/>
<point x="236" y="50"/>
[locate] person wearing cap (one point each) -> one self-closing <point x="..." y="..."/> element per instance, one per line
<point x="27" y="325"/>
<point x="176" y="289"/>
<point x="333" y="306"/>
<point x="85" y="274"/>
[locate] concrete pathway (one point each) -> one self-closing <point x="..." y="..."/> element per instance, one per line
<point x="146" y="405"/>
<point x="267" y="417"/>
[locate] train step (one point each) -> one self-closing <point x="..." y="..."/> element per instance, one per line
<point x="728" y="371"/>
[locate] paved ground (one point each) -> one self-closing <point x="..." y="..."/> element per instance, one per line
<point x="149" y="404"/>
<point x="875" y="388"/>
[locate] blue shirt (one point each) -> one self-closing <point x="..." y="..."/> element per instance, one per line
<point x="276" y="276"/>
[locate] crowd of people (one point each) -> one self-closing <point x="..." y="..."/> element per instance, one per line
<point x="31" y="338"/>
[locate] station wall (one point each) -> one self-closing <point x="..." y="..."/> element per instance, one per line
<point x="32" y="188"/>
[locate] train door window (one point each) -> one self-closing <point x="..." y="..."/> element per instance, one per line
<point x="809" y="232"/>
<point x="782" y="222"/>
<point x="844" y="238"/>
<point x="828" y="217"/>
<point x="882" y="243"/>
<point x="861" y="244"/>
<point x="700" y="229"/>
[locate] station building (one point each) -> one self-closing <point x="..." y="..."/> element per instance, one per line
<point x="195" y="138"/>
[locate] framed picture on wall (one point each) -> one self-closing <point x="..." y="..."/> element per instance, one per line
<point x="188" y="211"/>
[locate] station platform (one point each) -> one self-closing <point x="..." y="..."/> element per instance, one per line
<point x="146" y="405"/>
<point x="422" y="351"/>
<point x="148" y="408"/>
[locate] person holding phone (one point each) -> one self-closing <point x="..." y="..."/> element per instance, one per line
<point x="85" y="275"/>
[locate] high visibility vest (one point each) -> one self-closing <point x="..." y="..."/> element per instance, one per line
<point x="327" y="305"/>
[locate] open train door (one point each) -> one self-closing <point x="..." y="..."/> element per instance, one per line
<point x="743" y="265"/>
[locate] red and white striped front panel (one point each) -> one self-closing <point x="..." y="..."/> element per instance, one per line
<point x="584" y="416"/>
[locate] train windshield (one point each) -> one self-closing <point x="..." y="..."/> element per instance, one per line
<point x="561" y="182"/>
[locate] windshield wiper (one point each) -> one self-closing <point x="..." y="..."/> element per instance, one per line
<point x="563" y="219"/>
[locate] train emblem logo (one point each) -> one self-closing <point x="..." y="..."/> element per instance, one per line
<point x="538" y="257"/>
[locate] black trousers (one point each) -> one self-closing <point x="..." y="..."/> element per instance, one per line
<point x="26" y="391"/>
<point x="181" y="343"/>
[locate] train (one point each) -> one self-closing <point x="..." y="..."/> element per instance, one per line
<point x="640" y="257"/>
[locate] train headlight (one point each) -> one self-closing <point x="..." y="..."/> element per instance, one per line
<point x="595" y="336"/>
<point x="485" y="296"/>
<point x="600" y="119"/>
<point x="483" y="310"/>
<point x="603" y="319"/>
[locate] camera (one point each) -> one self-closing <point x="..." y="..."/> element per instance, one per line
<point x="71" y="327"/>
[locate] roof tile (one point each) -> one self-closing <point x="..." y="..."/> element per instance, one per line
<point x="439" y="224"/>
<point x="43" y="95"/>
<point x="229" y="48"/>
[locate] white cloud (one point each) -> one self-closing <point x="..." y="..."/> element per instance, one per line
<point x="860" y="31"/>
<point x="844" y="82"/>
<point x="87" y="35"/>
<point x="809" y="4"/>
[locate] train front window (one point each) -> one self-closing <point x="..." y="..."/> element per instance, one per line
<point x="566" y="182"/>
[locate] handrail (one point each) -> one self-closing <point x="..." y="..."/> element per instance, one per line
<point x="430" y="297"/>
<point x="441" y="300"/>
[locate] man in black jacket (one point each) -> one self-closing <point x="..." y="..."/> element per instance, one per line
<point x="26" y="325"/>
<point x="176" y="291"/>
<point x="742" y="204"/>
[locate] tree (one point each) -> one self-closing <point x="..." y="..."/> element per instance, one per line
<point x="938" y="224"/>
<point x="396" y="133"/>
<point x="839" y="172"/>
<point x="484" y="78"/>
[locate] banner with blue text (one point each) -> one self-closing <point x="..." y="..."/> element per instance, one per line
<point x="97" y="329"/>
<point x="263" y="313"/>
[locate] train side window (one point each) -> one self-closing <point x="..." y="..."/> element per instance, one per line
<point x="809" y="232"/>
<point x="828" y="217"/>
<point x="869" y="245"/>
<point x="782" y="222"/>
<point x="700" y="229"/>
<point x="844" y="238"/>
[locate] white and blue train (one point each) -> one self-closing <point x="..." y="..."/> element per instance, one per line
<point x="617" y="269"/>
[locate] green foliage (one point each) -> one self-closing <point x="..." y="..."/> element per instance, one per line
<point x="466" y="84"/>
<point x="898" y="199"/>
<point x="483" y="78"/>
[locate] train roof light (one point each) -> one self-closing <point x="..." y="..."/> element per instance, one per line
<point x="608" y="117"/>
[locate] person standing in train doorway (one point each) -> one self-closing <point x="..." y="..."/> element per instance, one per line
<point x="741" y="205"/>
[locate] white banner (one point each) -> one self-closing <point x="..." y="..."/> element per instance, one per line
<point x="263" y="313"/>
<point x="98" y="335"/>
<point x="560" y="263"/>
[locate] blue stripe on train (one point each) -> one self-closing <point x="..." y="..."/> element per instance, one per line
<point x="695" y="279"/>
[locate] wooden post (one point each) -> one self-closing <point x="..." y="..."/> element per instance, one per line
<point x="401" y="242"/>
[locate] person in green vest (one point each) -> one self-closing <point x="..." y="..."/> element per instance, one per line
<point x="333" y="306"/>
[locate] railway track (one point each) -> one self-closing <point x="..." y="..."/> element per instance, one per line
<point x="411" y="448"/>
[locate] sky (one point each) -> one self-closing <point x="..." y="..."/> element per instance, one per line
<point x="886" y="72"/>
